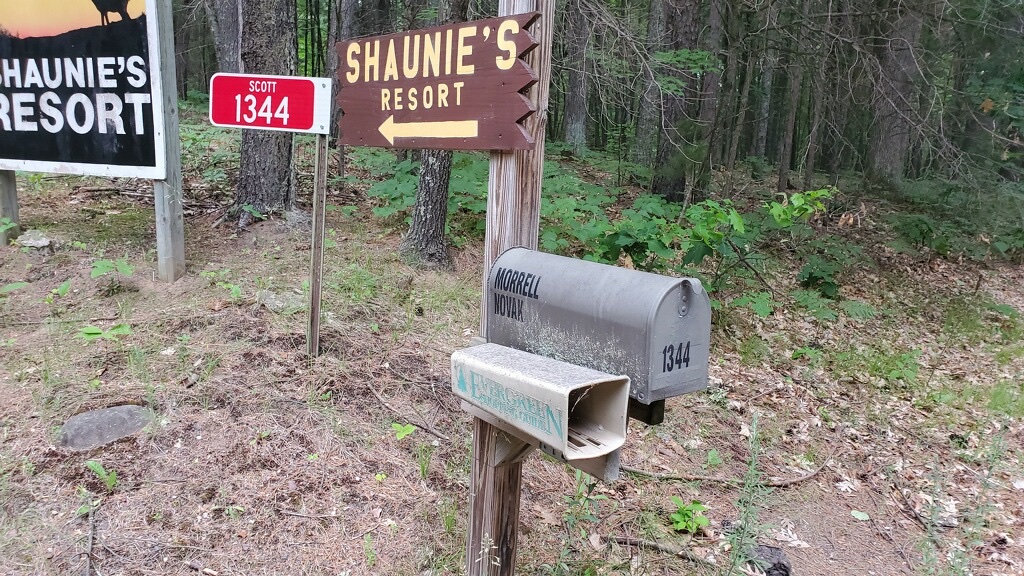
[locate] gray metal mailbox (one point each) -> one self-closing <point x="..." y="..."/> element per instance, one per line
<point x="652" y="328"/>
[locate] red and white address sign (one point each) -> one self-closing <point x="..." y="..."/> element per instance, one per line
<point x="288" y="103"/>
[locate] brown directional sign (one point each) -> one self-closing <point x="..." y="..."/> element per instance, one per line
<point x="455" y="87"/>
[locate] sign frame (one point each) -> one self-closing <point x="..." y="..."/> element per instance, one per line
<point x="320" y="103"/>
<point x="159" y="169"/>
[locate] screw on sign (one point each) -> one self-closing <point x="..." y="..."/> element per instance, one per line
<point x="290" y="103"/>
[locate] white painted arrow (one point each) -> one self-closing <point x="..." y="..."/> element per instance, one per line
<point x="448" y="129"/>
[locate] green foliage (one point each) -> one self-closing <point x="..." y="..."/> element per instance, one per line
<point x="673" y="65"/>
<point x="819" y="274"/>
<point x="582" y="504"/>
<point x="108" y="477"/>
<point x="753" y="493"/>
<point x="8" y="288"/>
<point x="402" y="430"/>
<point x="424" y="453"/>
<point x="1007" y="398"/>
<point x="119" y="267"/>
<point x="921" y="231"/>
<point x="252" y="211"/>
<point x="6" y="224"/>
<point x="90" y="333"/>
<point x="688" y="517"/>
<point x="815" y="305"/>
<point x="858" y="310"/>
<point x="761" y="303"/>
<point x="714" y="459"/>
<point x="234" y="291"/>
<point x="799" y="206"/>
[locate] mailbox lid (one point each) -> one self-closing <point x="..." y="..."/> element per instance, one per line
<point x="604" y="317"/>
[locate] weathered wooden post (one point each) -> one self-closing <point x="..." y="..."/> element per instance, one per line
<point x="8" y="205"/>
<point x="513" y="219"/>
<point x="167" y="194"/>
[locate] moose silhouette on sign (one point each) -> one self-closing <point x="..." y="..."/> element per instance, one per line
<point x="107" y="6"/>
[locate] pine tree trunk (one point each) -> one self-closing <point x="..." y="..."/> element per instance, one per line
<point x="577" y="34"/>
<point x="225" y="18"/>
<point x="812" y="137"/>
<point x="769" y="60"/>
<point x="425" y="243"/>
<point x="674" y="163"/>
<point x="892" y="102"/>
<point x="796" y="78"/>
<point x="648" y="121"/>
<point x="709" y="91"/>
<point x="266" y="179"/>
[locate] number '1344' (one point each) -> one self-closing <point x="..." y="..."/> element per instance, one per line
<point x="245" y="109"/>
<point x="675" y="356"/>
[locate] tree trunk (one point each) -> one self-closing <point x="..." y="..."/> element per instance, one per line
<point x="769" y="60"/>
<point x="266" y="179"/>
<point x="678" y="157"/>
<point x="425" y="243"/>
<point x="796" y="78"/>
<point x="812" y="137"/>
<point x="225" y="22"/>
<point x="737" y="129"/>
<point x="892" y="102"/>
<point x="648" y="122"/>
<point x="709" y="91"/>
<point x="577" y="34"/>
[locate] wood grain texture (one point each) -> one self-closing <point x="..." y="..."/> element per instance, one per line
<point x="170" y="218"/>
<point x="9" y="204"/>
<point x="467" y="98"/>
<point x="316" y="247"/>
<point x="513" y="219"/>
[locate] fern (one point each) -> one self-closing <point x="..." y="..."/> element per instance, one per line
<point x="815" y="304"/>
<point x="858" y="310"/>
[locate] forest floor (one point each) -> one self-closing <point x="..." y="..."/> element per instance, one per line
<point x="883" y="445"/>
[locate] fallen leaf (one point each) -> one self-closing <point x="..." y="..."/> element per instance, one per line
<point x="862" y="516"/>
<point x="595" y="540"/>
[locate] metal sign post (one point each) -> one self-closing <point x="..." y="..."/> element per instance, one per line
<point x="316" y="247"/>
<point x="288" y="104"/>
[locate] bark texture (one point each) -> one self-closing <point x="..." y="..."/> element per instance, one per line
<point x="226" y="24"/>
<point x="266" y="179"/>
<point x="425" y="243"/>
<point x="577" y="34"/>
<point x="892" y="102"/>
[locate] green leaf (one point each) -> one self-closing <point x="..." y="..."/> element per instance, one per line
<point x="101" y="267"/>
<point x="402" y="430"/>
<point x="124" y="268"/>
<point x="119" y="330"/>
<point x="97" y="468"/>
<point x="89" y="333"/>
<point x="8" y="288"/>
<point x="63" y="289"/>
<point x="862" y="516"/>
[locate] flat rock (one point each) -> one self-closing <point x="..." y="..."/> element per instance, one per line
<point x="96" y="428"/>
<point x="34" y="239"/>
<point x="286" y="303"/>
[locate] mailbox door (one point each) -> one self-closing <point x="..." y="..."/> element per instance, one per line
<point x="680" y="342"/>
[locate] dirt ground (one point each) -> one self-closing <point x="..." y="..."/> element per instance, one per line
<point x="262" y="461"/>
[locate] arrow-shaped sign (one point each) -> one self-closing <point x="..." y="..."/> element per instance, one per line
<point x="446" y="129"/>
